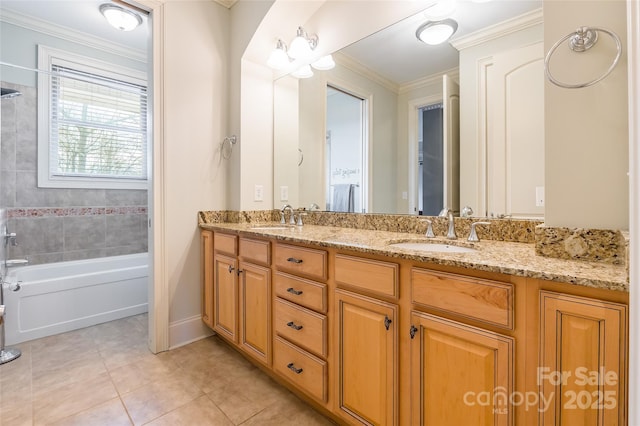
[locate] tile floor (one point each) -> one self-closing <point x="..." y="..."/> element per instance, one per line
<point x="105" y="375"/>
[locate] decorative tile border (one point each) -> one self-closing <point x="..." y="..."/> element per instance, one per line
<point x="594" y="245"/>
<point x="74" y="211"/>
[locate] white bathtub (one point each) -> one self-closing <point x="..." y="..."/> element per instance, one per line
<point x="59" y="297"/>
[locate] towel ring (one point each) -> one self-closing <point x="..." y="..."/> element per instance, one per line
<point x="229" y="142"/>
<point x="581" y="40"/>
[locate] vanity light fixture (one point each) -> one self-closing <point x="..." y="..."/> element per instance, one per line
<point x="325" y="63"/>
<point x="303" y="45"/>
<point x="278" y="59"/>
<point x="436" y="32"/>
<point x="303" y="72"/>
<point x="119" y="17"/>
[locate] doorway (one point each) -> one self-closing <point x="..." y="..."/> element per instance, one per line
<point x="345" y="152"/>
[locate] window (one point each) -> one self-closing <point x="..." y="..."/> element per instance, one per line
<point x="92" y="124"/>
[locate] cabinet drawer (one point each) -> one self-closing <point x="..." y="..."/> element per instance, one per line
<point x="301" y="368"/>
<point x="483" y="300"/>
<point x="307" y="293"/>
<point x="301" y="261"/>
<point x="225" y="243"/>
<point x="255" y="251"/>
<point x="301" y="326"/>
<point x="371" y="276"/>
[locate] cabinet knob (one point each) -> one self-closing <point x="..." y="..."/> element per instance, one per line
<point x="293" y="368"/>
<point x="294" y="326"/>
<point x="387" y="322"/>
<point x="231" y="268"/>
<point x="412" y="331"/>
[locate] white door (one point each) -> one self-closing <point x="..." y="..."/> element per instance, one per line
<point x="515" y="143"/>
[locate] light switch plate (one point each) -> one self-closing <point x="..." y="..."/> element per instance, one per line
<point x="284" y="193"/>
<point x="539" y="196"/>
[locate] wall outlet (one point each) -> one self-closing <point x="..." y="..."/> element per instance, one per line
<point x="284" y="193"/>
<point x="539" y="196"/>
<point x="258" y="193"/>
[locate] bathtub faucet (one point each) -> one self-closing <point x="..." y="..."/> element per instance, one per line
<point x="9" y="237"/>
<point x="16" y="262"/>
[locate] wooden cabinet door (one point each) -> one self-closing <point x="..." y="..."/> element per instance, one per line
<point x="255" y="311"/>
<point x="458" y="372"/>
<point x="206" y="275"/>
<point x="367" y="341"/>
<point x="582" y="372"/>
<point x="225" y="306"/>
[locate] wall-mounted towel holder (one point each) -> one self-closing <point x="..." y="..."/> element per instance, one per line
<point x="226" y="147"/>
<point x="581" y="40"/>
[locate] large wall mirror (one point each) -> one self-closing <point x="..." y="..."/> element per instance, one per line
<point x="451" y="125"/>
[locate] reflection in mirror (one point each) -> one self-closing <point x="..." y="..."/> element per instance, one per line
<point x="346" y="142"/>
<point x="399" y="76"/>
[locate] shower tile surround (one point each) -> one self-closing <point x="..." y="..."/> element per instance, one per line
<point x="53" y="224"/>
<point x="590" y="245"/>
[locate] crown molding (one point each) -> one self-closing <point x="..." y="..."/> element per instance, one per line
<point x="74" y="36"/>
<point x="357" y="67"/>
<point x="501" y="29"/>
<point x="454" y="73"/>
<point x="226" y="3"/>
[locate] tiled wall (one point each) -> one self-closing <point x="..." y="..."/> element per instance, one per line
<point x="53" y="225"/>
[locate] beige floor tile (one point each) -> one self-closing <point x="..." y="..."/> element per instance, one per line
<point x="199" y="412"/>
<point x="142" y="372"/>
<point x="242" y="397"/>
<point x="160" y="397"/>
<point x="67" y="372"/>
<point x="288" y="411"/>
<point x="110" y="413"/>
<point x="72" y="399"/>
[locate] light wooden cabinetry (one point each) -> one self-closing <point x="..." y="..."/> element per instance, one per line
<point x="225" y="296"/>
<point x="376" y="340"/>
<point x="456" y="369"/>
<point x="366" y="344"/>
<point x="206" y="275"/>
<point x="583" y="360"/>
<point x="300" y="320"/>
<point x="242" y="294"/>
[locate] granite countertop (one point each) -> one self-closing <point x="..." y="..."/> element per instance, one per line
<point x="518" y="259"/>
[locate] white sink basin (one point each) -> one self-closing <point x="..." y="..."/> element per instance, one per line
<point x="433" y="247"/>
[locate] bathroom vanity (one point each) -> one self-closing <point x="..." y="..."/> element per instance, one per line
<point x="371" y="333"/>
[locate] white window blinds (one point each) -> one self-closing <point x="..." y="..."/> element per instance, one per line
<point x="98" y="126"/>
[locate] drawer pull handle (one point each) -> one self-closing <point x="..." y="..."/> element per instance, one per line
<point x="294" y="326"/>
<point x="387" y="322"/>
<point x="294" y="260"/>
<point x="293" y="368"/>
<point x="293" y="291"/>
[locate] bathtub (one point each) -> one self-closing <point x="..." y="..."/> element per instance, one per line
<point x="58" y="297"/>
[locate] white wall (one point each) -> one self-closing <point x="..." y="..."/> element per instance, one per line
<point x="586" y="130"/>
<point x="195" y="117"/>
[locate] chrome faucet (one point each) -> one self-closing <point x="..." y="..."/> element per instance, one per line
<point x="9" y="238"/>
<point x="451" y="232"/>
<point x="292" y="219"/>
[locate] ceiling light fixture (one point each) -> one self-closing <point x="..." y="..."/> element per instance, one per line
<point x="303" y="72"/>
<point x="325" y="63"/>
<point x="436" y="32"/>
<point x="119" y="17"/>
<point x="278" y="59"/>
<point x="303" y="45"/>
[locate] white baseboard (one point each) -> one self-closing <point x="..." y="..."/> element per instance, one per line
<point x="186" y="331"/>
